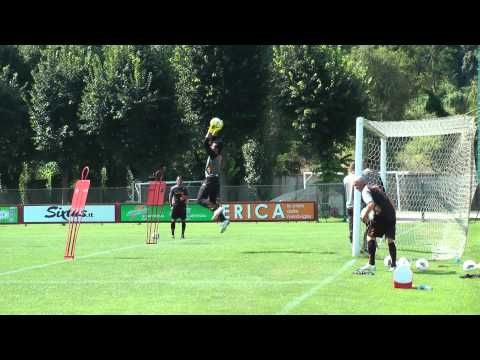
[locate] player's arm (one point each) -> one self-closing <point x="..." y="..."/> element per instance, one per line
<point x="209" y="138"/>
<point x="370" y="206"/>
<point x="367" y="198"/>
<point x="213" y="129"/>
<point x="170" y="196"/>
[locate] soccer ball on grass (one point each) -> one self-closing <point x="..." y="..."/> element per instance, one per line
<point x="469" y="265"/>
<point x="421" y="264"/>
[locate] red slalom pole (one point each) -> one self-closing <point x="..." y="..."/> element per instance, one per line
<point x="147" y="221"/>
<point x="155" y="198"/>
<point x="79" y="199"/>
<point x="156" y="220"/>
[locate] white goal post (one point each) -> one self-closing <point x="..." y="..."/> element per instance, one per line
<point x="428" y="170"/>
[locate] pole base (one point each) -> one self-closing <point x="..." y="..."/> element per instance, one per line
<point x="69" y="257"/>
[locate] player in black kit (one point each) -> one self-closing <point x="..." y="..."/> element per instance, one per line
<point x="178" y="202"/>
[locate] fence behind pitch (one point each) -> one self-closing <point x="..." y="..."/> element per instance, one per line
<point x="329" y="197"/>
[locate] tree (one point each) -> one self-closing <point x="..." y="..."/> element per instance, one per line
<point x="420" y="154"/>
<point x="15" y="137"/>
<point x="129" y="122"/>
<point x="290" y="162"/>
<point x="388" y="80"/>
<point x="58" y="83"/>
<point x="253" y="154"/>
<point x="443" y="76"/>
<point x="11" y="56"/>
<point x="320" y="95"/>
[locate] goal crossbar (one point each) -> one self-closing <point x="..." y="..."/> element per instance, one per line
<point x="427" y="127"/>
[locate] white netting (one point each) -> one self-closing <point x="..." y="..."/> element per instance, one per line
<point x="140" y="190"/>
<point x="429" y="169"/>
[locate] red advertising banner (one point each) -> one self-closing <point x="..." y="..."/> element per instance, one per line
<point x="271" y="211"/>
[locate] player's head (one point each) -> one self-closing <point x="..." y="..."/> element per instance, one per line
<point x="360" y="182"/>
<point x="179" y="180"/>
<point x="216" y="147"/>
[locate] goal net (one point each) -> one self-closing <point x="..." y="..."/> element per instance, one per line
<point x="139" y="190"/>
<point x="428" y="170"/>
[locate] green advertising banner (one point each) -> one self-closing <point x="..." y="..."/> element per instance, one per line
<point x="8" y="215"/>
<point x="138" y="213"/>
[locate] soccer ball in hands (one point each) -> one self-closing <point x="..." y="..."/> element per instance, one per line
<point x="421" y="264"/>
<point x="216" y="125"/>
<point x="371" y="214"/>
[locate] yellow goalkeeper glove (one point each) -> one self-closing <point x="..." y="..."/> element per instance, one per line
<point x="214" y="130"/>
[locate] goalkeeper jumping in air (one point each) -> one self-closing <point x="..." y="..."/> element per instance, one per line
<point x="208" y="193"/>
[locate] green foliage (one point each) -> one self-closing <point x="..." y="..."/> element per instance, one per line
<point x="104" y="177"/>
<point x="328" y="170"/>
<point x="225" y="81"/>
<point x="15" y="136"/>
<point x="253" y="154"/>
<point x="388" y="81"/>
<point x="129" y="122"/>
<point x="11" y="55"/>
<point x="47" y="171"/>
<point x="319" y="92"/>
<point x="420" y="154"/>
<point x="136" y="106"/>
<point x="55" y="99"/>
<point x="443" y="76"/>
<point x="416" y="108"/>
<point x="291" y="162"/>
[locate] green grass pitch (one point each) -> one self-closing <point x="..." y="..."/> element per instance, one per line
<point x="253" y="268"/>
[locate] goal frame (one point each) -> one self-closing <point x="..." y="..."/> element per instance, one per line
<point x="373" y="127"/>
<point x="136" y="190"/>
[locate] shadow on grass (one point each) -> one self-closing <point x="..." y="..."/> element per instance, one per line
<point x="433" y="272"/>
<point x="289" y="252"/>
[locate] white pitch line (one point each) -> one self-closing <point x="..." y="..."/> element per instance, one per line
<point x="159" y="281"/>
<point x="299" y="299"/>
<point x="65" y="261"/>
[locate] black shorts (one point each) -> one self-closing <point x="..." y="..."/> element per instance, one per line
<point x="179" y="212"/>
<point x="209" y="190"/>
<point x="381" y="226"/>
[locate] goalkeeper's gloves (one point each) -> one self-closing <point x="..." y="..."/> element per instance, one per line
<point x="214" y="130"/>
